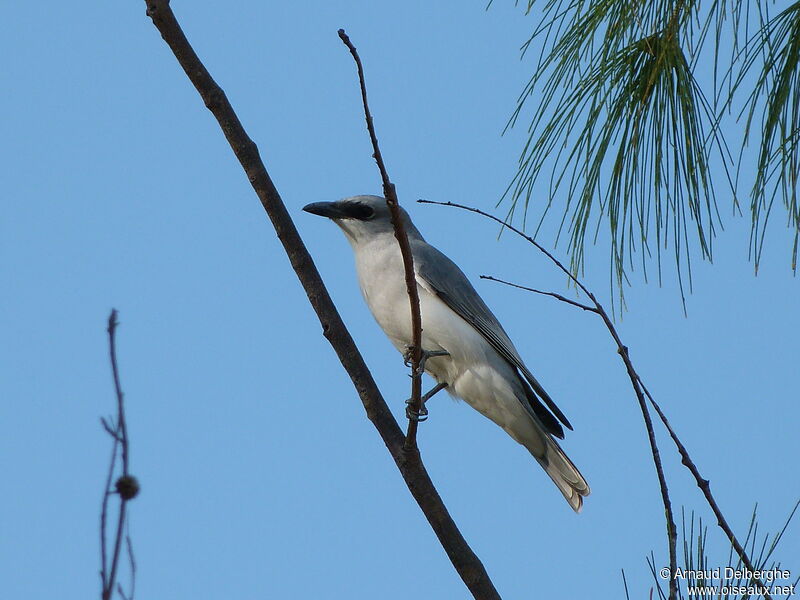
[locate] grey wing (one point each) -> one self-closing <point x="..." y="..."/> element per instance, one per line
<point x="453" y="287"/>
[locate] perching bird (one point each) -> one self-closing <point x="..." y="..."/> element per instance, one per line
<point x="476" y="360"/>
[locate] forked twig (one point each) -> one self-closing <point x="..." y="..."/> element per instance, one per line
<point x="535" y="291"/>
<point x="126" y="486"/>
<point x="641" y="393"/>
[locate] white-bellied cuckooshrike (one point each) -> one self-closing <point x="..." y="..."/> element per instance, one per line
<point x="468" y="351"/>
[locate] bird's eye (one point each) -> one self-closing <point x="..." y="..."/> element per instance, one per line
<point x="362" y="212"/>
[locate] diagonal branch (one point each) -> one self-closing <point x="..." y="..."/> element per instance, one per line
<point x="400" y="233"/>
<point x="551" y="294"/>
<point x="409" y="463"/>
<point x="704" y="486"/>
<point x="641" y="393"/>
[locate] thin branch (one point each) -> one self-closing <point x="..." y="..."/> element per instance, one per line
<point x="400" y="233"/>
<point x="117" y="548"/>
<point x="104" y="509"/>
<point x="410" y="464"/>
<point x="625" y="585"/>
<point x="112" y="431"/>
<point x="623" y="351"/>
<point x="132" y="566"/>
<point x="552" y="294"/>
<point x="126" y="486"/>
<point x="541" y="248"/>
<point x="120" y="441"/>
<point x="704" y="486"/>
<point x="641" y="392"/>
<point x="121" y="425"/>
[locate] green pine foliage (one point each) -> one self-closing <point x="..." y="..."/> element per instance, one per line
<point x="623" y="135"/>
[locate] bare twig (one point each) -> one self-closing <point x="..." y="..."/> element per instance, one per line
<point x="104" y="510"/>
<point x="110" y="430"/>
<point x="623" y="351"/>
<point x="390" y="194"/>
<point x="410" y="464"/>
<point x="132" y="566"/>
<point x="126" y="486"/>
<point x="122" y="427"/>
<point x="641" y="392"/>
<point x="551" y="294"/>
<point x="518" y="232"/>
<point x="705" y="488"/>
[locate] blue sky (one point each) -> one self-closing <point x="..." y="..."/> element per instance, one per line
<point x="261" y="476"/>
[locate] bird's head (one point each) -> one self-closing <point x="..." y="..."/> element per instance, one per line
<point x="362" y="218"/>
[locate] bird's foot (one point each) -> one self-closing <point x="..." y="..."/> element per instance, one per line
<point x="422" y="413"/>
<point x="416" y="415"/>
<point x="426" y="354"/>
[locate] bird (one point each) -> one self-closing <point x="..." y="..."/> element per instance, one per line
<point x="465" y="349"/>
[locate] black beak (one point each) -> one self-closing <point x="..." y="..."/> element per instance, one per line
<point x="332" y="210"/>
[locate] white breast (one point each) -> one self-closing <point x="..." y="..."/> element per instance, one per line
<point x="382" y="280"/>
<point x="473" y="369"/>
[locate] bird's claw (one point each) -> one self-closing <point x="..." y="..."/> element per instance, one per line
<point x="414" y="415"/>
<point x="422" y="413"/>
<point x="425" y="355"/>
